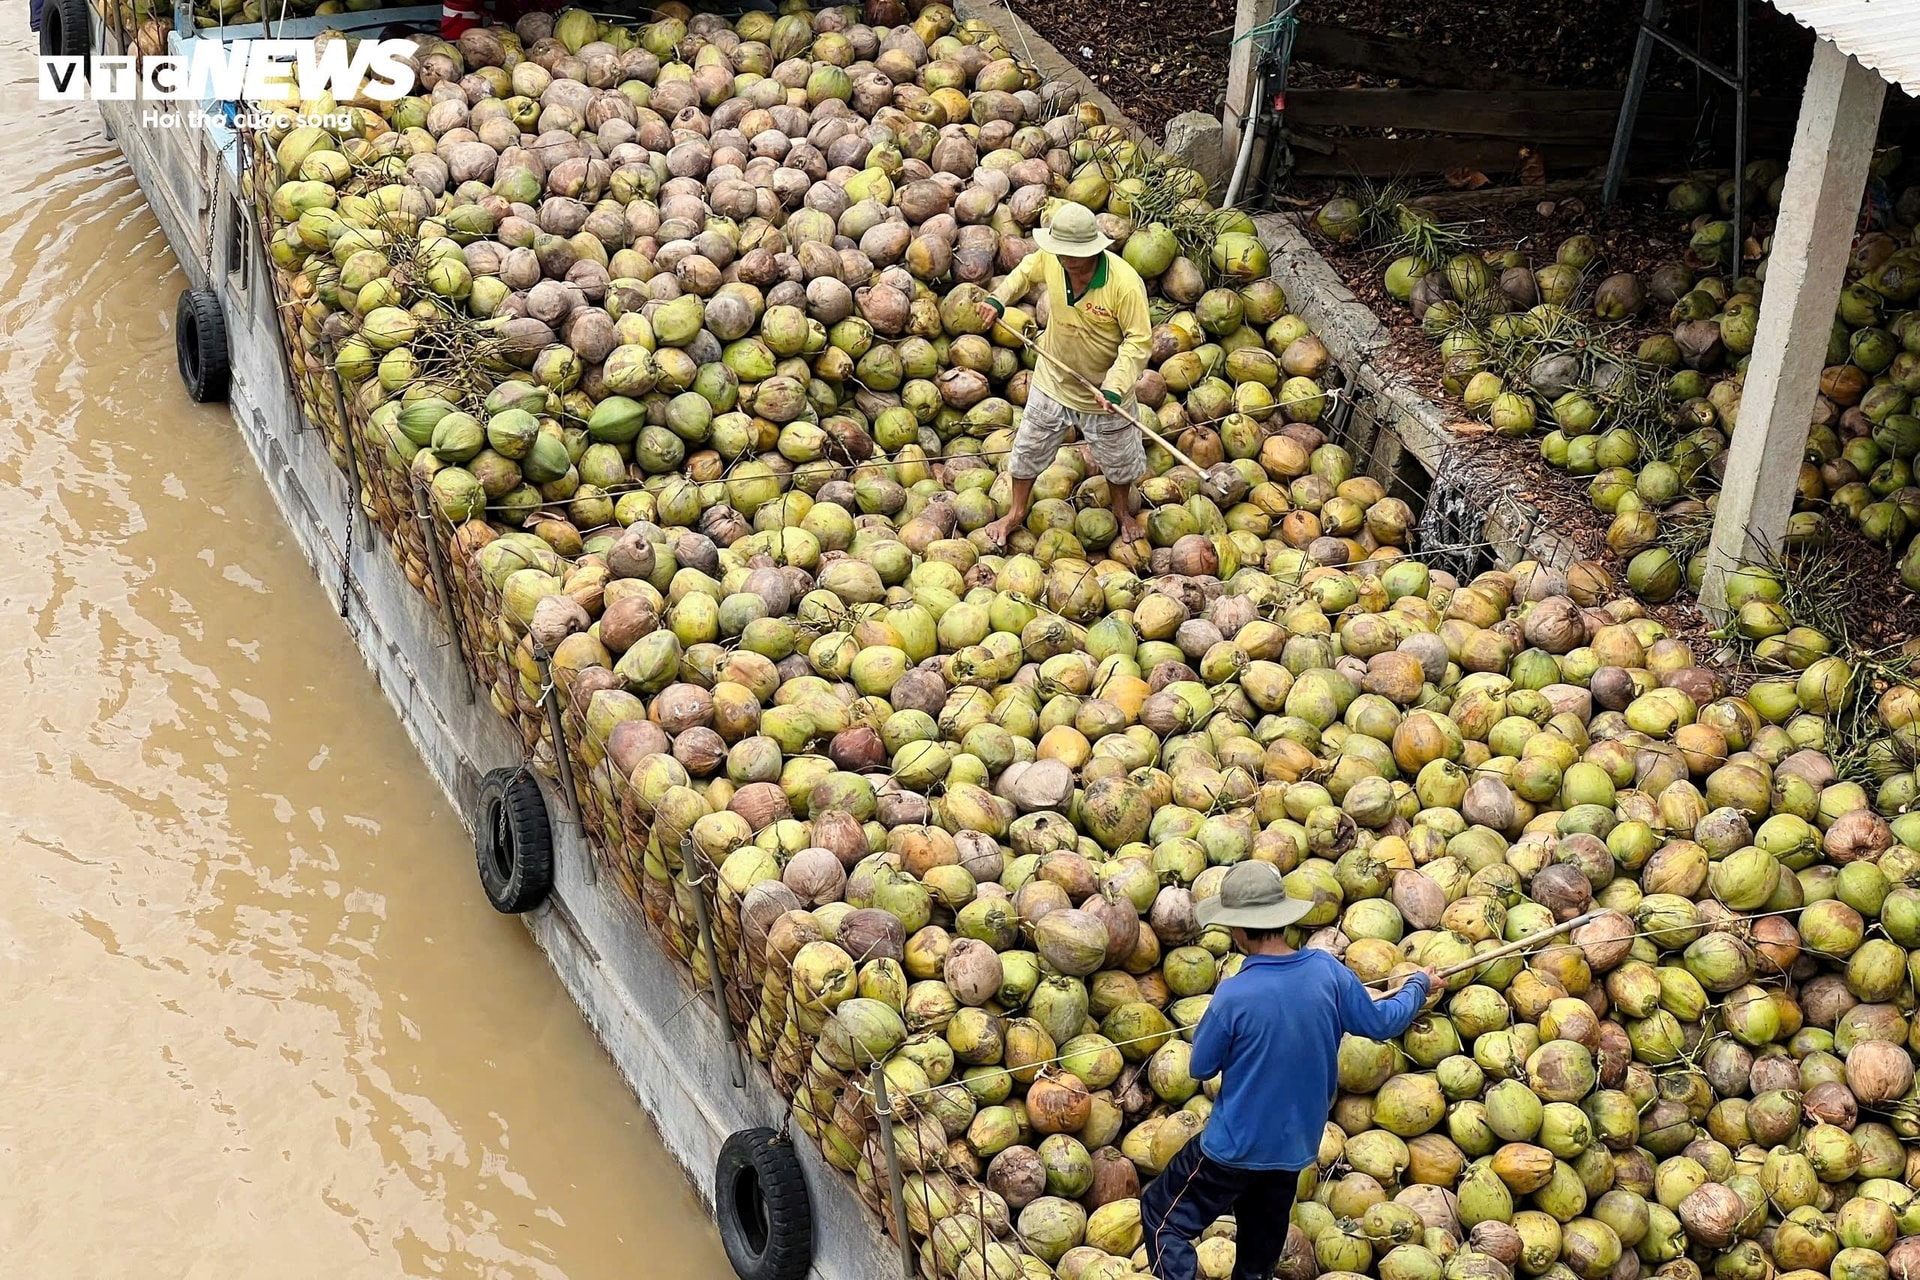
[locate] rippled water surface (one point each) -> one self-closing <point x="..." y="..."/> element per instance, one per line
<point x="258" y="1019"/>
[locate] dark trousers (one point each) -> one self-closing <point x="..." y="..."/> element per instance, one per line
<point x="1192" y="1191"/>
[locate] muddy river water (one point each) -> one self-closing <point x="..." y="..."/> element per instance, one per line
<point x="256" y="1018"/>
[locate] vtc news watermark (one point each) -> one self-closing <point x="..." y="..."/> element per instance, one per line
<point x="237" y="71"/>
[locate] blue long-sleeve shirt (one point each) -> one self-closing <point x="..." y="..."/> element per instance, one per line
<point x="1274" y="1030"/>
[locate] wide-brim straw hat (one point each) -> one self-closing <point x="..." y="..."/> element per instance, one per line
<point x="1072" y="233"/>
<point x="1252" y="896"/>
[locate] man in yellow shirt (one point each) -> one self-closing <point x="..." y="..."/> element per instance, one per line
<point x="1097" y="326"/>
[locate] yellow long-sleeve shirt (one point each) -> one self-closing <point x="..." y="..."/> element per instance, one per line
<point x="1104" y="334"/>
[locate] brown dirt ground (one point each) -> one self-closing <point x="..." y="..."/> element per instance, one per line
<point x="1582" y="43"/>
<point x="1154" y="58"/>
<point x="1158" y="58"/>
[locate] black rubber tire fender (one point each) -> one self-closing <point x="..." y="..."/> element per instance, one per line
<point x="200" y="342"/>
<point x="761" y="1204"/>
<point x="66" y="31"/>
<point x="512" y="842"/>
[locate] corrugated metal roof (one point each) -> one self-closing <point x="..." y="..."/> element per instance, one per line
<point x="1882" y="34"/>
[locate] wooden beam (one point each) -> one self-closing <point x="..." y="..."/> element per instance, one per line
<point x="1399" y="59"/>
<point x="1405" y="157"/>
<point x="1528" y="115"/>
<point x="1533" y="115"/>
<point x="1468" y="203"/>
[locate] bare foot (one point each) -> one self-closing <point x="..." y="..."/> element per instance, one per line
<point x="1131" y="529"/>
<point x="1000" y="530"/>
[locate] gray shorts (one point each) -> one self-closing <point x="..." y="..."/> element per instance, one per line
<point x="1119" y="449"/>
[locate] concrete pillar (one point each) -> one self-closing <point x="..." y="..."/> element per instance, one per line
<point x="1832" y="145"/>
<point x="1247" y="15"/>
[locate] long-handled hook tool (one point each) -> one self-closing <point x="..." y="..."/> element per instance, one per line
<point x="1222" y="482"/>
<point x="1527" y="943"/>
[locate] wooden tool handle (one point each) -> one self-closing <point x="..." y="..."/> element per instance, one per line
<point x="1527" y="943"/>
<point x="1087" y="382"/>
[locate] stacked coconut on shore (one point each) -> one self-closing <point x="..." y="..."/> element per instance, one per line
<point x="1553" y="348"/>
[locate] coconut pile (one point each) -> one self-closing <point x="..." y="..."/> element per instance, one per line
<point x="761" y="298"/>
<point x="1525" y="347"/>
<point x="675" y="326"/>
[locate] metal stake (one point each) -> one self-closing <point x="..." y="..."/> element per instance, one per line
<point x="703" y="920"/>
<point x="1736" y="80"/>
<point x="1630" y="103"/>
<point x="437" y="563"/>
<point x="896" y="1185"/>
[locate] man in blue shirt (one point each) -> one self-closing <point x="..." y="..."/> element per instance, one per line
<point x="1272" y="1032"/>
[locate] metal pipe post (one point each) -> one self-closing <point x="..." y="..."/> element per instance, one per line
<point x="437" y="564"/>
<point x="896" y="1185"/>
<point x="1249" y="125"/>
<point x="1713" y="69"/>
<point x="703" y="920"/>
<point x="1630" y="104"/>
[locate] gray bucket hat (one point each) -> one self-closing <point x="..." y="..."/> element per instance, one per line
<point x="1252" y="896"/>
<point x="1072" y="232"/>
